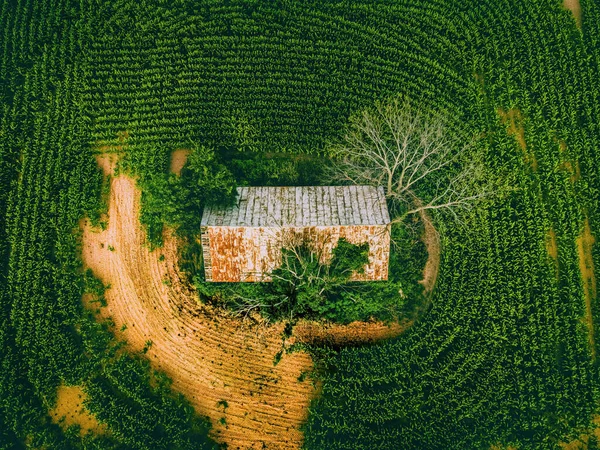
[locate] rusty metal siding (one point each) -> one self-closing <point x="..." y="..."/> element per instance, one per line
<point x="250" y="253"/>
<point x="243" y="242"/>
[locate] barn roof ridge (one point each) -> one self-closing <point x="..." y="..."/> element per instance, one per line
<point x="301" y="206"/>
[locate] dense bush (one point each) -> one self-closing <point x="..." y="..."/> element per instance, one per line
<point x="303" y="287"/>
<point x="177" y="201"/>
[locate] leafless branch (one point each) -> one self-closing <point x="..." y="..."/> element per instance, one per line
<point x="404" y="150"/>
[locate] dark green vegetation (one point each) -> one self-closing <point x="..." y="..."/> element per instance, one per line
<point x="304" y="288"/>
<point x="322" y="291"/>
<point x="502" y="357"/>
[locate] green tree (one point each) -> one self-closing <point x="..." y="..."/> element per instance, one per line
<point x="207" y="180"/>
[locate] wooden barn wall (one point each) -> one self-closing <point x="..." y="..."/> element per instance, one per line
<point x="251" y="253"/>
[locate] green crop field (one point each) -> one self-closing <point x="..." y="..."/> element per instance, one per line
<point x="507" y="353"/>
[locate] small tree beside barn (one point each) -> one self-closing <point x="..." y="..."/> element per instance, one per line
<point x="244" y="242"/>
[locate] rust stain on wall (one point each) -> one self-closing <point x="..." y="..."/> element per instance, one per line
<point x="234" y="254"/>
<point x="244" y="241"/>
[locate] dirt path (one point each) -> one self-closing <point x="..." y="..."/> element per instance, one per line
<point x="107" y="162"/>
<point x="431" y="239"/>
<point x="213" y="358"/>
<point x="585" y="241"/>
<point x="69" y="405"/>
<point x="575" y="8"/>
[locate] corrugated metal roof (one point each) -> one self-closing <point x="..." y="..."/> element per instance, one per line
<point x="301" y="206"/>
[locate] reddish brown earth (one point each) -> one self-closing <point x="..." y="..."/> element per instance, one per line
<point x="212" y="356"/>
<point x="351" y="334"/>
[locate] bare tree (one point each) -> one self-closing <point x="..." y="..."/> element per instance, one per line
<point x="415" y="156"/>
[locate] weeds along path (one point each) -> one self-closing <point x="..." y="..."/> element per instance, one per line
<point x="224" y="365"/>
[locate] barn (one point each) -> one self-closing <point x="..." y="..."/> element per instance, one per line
<point x="243" y="242"/>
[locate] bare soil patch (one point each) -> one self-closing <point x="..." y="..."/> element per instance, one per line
<point x="551" y="245"/>
<point x="69" y="410"/>
<point x="178" y="159"/>
<point x="431" y="239"/>
<point x="107" y="162"/>
<point x="562" y="145"/>
<point x="585" y="241"/>
<point x="582" y="442"/>
<point x="352" y="334"/>
<point x="513" y="119"/>
<point x="576" y="444"/>
<point x="575" y="7"/>
<point x="213" y="358"/>
<point x="552" y="248"/>
<point x="569" y="166"/>
<point x="210" y="357"/>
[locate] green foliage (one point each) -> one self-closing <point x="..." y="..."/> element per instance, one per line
<point x="501" y="357"/>
<point x="313" y="289"/>
<point x="210" y="182"/>
<point x="177" y="201"/>
<point x="141" y="412"/>
<point x="274" y="168"/>
<point x="502" y="347"/>
<point x="209" y="178"/>
<point x="303" y="287"/>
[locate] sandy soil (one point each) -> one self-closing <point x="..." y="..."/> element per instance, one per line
<point x="585" y="241"/>
<point x="577" y="444"/>
<point x="513" y="119"/>
<point x="69" y="406"/>
<point x="582" y="442"/>
<point x="575" y="8"/>
<point x="178" y="160"/>
<point x="210" y="355"/>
